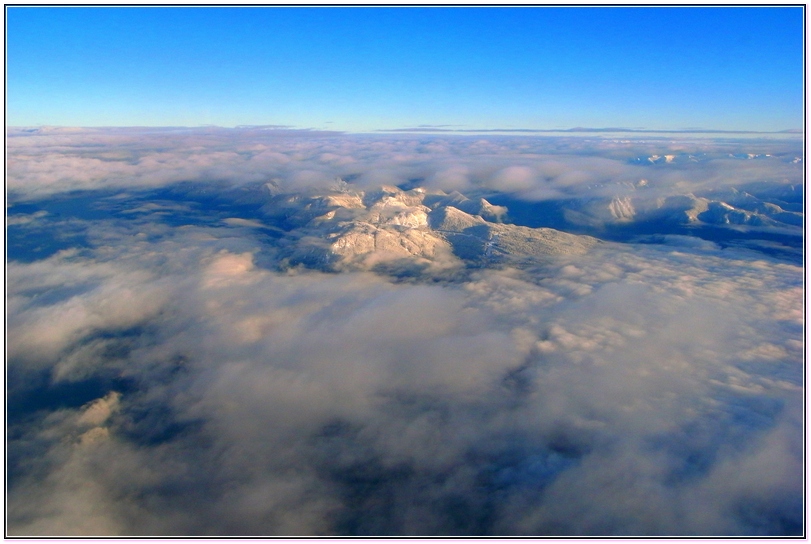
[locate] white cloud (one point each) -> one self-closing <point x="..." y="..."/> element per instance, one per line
<point x="100" y="410"/>
<point x="534" y="168"/>
<point x="636" y="389"/>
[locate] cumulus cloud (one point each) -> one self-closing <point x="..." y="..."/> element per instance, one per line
<point x="171" y="376"/>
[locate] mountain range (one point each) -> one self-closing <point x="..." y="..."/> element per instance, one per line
<point x="349" y="229"/>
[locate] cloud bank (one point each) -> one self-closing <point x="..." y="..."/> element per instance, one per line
<point x="43" y="162"/>
<point x="169" y="375"/>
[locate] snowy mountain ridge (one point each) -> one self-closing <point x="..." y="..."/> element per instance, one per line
<point x="345" y="229"/>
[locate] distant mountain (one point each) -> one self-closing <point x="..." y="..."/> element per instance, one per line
<point x="682" y="158"/>
<point x="774" y="206"/>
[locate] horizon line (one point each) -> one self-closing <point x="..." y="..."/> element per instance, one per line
<point x="418" y="129"/>
<point x="437" y="128"/>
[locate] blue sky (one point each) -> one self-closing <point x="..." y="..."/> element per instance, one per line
<point x="365" y="69"/>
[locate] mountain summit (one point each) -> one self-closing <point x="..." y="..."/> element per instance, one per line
<point x="345" y="229"/>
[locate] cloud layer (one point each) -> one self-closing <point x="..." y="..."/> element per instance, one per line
<point x="165" y="377"/>
<point x="43" y="162"/>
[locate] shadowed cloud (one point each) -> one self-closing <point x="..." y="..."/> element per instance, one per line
<point x="211" y="382"/>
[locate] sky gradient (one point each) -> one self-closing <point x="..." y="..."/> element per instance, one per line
<point x="368" y="69"/>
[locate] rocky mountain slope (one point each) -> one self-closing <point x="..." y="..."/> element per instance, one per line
<point x="724" y="207"/>
<point x="343" y="229"/>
